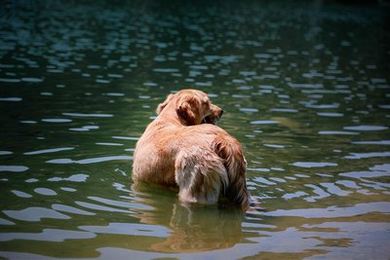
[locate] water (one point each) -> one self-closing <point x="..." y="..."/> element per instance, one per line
<point x="305" y="88"/>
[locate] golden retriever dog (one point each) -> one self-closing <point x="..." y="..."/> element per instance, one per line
<point x="183" y="147"/>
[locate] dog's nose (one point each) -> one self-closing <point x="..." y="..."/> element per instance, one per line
<point x="220" y="113"/>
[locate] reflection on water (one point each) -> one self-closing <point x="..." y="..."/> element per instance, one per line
<point x="305" y="88"/>
<point x="191" y="228"/>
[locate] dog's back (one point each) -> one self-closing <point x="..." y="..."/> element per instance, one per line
<point x="153" y="160"/>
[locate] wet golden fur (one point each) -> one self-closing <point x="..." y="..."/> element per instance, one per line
<point x="182" y="147"/>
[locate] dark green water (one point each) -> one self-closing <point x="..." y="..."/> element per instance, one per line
<point x="305" y="88"/>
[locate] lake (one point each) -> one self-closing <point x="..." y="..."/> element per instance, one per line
<point x="305" y="89"/>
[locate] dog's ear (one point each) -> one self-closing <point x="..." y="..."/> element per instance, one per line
<point x="186" y="110"/>
<point x="162" y="105"/>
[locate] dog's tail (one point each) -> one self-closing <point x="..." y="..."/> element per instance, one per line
<point x="200" y="175"/>
<point x="229" y="149"/>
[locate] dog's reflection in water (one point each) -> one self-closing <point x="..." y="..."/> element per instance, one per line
<point x="193" y="227"/>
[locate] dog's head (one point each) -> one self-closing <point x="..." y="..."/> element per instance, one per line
<point x="193" y="107"/>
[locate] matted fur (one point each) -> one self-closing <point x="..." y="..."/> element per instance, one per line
<point x="182" y="147"/>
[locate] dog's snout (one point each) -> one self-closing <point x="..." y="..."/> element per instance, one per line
<point x="220" y="113"/>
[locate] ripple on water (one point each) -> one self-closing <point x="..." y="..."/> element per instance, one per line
<point x="348" y="184"/>
<point x="102" y="81"/>
<point x="45" y="191"/>
<point x="379" y="142"/>
<point x="293" y="195"/>
<point x="249" y="110"/>
<point x="263" y="180"/>
<point x="320" y="193"/>
<point x="263" y="122"/>
<point x="121" y="187"/>
<point x="305" y="85"/>
<point x="322" y="106"/>
<point x="9" y="80"/>
<point x="32" y="79"/>
<point x="21" y="194"/>
<point x="165" y="70"/>
<point x="380" y="170"/>
<point x="110" y="144"/>
<point x="313" y="164"/>
<point x="13" y="168"/>
<point x="91" y="160"/>
<point x="52" y="150"/>
<point x="94" y="206"/>
<point x="46" y="94"/>
<point x="277" y="179"/>
<point x="48" y="234"/>
<point x="114" y="94"/>
<point x="258" y="169"/>
<point x="34" y="214"/>
<point x="31" y="180"/>
<point x="333" y="211"/>
<point x="11" y="99"/>
<point x="126" y="138"/>
<point x="70" y="209"/>
<point x="284" y="110"/>
<point x="68" y="189"/>
<point x="28" y="122"/>
<point x="354" y="156"/>
<point x="56" y="120"/>
<point x="150" y="84"/>
<point x="364" y="128"/>
<point x="80" y="177"/>
<point x="330" y="114"/>
<point x="5" y="152"/>
<point x="362" y="235"/>
<point x="85" y="128"/>
<point x="94" y="115"/>
<point x="115" y="203"/>
<point x="130" y="229"/>
<point x="334" y="189"/>
<point x="337" y="133"/>
<point x="5" y="222"/>
<point x="278" y="146"/>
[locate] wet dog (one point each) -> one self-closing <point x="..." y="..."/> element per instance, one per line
<point x="183" y="147"/>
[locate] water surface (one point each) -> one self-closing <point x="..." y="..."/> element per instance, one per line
<point x="305" y="88"/>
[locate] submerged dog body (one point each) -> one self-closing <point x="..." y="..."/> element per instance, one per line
<point x="182" y="147"/>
